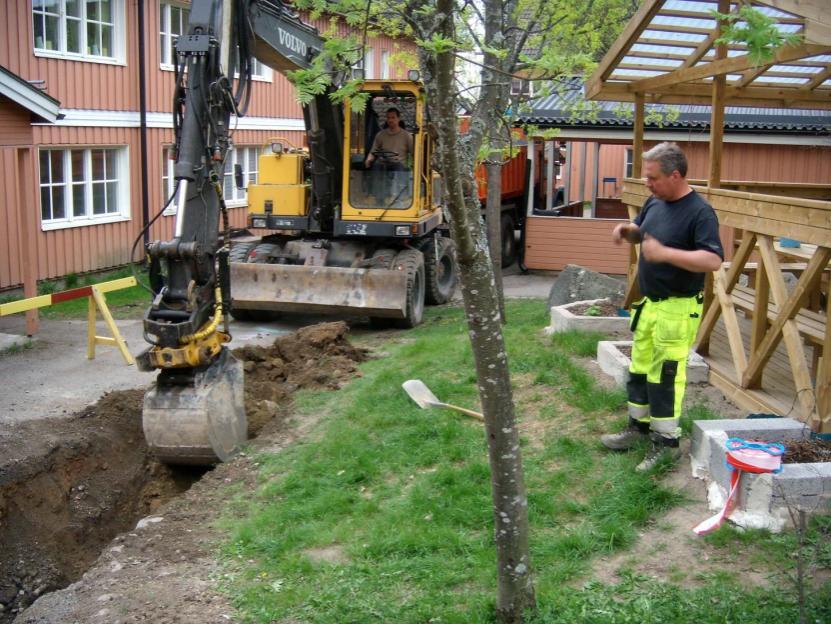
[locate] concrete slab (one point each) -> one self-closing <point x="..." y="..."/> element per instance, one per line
<point x="615" y="364"/>
<point x="562" y="319"/>
<point x="12" y="342"/>
<point x="764" y="500"/>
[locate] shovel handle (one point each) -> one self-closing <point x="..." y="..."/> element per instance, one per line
<point x="462" y="410"/>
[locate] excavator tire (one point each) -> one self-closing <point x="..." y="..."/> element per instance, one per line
<point x="441" y="274"/>
<point x="261" y="254"/>
<point x="239" y="253"/>
<point x="413" y="262"/>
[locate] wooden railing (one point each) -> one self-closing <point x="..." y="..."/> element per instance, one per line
<point x="763" y="218"/>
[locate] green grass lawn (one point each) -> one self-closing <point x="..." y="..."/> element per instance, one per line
<point x="384" y="514"/>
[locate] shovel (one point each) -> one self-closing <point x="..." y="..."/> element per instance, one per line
<point x="424" y="398"/>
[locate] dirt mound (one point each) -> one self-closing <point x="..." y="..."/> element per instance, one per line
<point x="317" y="356"/>
<point x="69" y="486"/>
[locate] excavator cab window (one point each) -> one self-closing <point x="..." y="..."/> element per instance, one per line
<point x="381" y="149"/>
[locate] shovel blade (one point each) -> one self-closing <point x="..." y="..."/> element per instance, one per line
<point x="420" y="393"/>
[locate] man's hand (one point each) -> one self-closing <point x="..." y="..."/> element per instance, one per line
<point x="653" y="250"/>
<point x="368" y="162"/>
<point x="626" y="231"/>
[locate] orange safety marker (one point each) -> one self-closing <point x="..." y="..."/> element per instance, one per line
<point x="97" y="302"/>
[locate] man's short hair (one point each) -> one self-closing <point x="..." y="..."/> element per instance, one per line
<point x="670" y="158"/>
<point x="392" y="109"/>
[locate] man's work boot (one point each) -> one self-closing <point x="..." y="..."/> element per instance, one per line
<point x="625" y="440"/>
<point x="660" y="450"/>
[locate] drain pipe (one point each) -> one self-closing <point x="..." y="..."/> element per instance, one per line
<point x="142" y="50"/>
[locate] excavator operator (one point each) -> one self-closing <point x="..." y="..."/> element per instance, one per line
<point x="393" y="146"/>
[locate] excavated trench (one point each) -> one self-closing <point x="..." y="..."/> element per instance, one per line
<point x="69" y="486"/>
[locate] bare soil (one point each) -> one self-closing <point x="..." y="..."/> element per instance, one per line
<point x="79" y="482"/>
<point x="602" y="308"/>
<point x="807" y="452"/>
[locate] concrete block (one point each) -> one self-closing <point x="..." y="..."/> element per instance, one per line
<point x="562" y="319"/>
<point x="764" y="500"/>
<point x="616" y="364"/>
<point x="10" y="341"/>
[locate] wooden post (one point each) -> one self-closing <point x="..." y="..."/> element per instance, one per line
<point x="823" y="381"/>
<point x="633" y="291"/>
<point x="27" y="228"/>
<point x="759" y="324"/>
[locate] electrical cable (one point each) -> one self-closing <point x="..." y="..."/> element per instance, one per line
<point x="141" y="236"/>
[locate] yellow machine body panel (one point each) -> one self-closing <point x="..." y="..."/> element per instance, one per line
<point x="281" y="168"/>
<point x="278" y="199"/>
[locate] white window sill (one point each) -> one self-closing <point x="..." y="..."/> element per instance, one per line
<point x="170" y="68"/>
<point x="69" y="56"/>
<point x="48" y="226"/>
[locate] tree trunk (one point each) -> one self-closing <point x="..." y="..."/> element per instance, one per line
<point x="493" y="218"/>
<point x="510" y="506"/>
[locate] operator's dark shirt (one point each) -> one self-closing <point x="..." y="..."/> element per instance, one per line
<point x="689" y="223"/>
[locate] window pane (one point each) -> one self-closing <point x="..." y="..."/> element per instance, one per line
<point x="106" y="11"/>
<point x="79" y="200"/>
<point x="56" y="156"/>
<point x="97" y="165"/>
<point x="176" y="20"/>
<point x="110" y="161"/>
<point x="58" y="211"/>
<point x="45" y="203"/>
<point x="73" y="36"/>
<point x="93" y="39"/>
<point x="112" y="197"/>
<point x="73" y="8"/>
<point x="106" y="40"/>
<point x="77" y="165"/>
<point x="37" y="20"/>
<point x="98" y="199"/>
<point x="44" y="166"/>
<point x="51" y="34"/>
<point x="92" y="10"/>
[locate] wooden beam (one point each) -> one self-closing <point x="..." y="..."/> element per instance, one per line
<point x="700" y="50"/>
<point x="724" y="66"/>
<point x="636" y="25"/>
<point x="27" y="228"/>
<point x="784" y="327"/>
<point x="823" y="380"/>
<point x="817" y="79"/>
<point x="731" y="322"/>
<point x="759" y="324"/>
<point x="817" y="17"/>
<point x="717" y="109"/>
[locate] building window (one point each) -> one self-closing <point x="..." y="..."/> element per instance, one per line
<point x="168" y="180"/>
<point x="629" y="168"/>
<point x="385" y="64"/>
<point x="520" y="86"/>
<point x="173" y="23"/>
<point x="369" y="63"/>
<point x="248" y="158"/>
<point x="83" y="186"/>
<point x="77" y="29"/>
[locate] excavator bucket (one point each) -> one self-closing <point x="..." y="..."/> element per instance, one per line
<point x="317" y="289"/>
<point x="201" y="423"/>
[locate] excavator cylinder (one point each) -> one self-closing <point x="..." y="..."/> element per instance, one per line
<point x="319" y="289"/>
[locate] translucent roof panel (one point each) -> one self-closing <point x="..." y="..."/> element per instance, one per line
<point x="677" y="36"/>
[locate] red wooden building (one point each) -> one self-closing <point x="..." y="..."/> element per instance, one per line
<point x="73" y="108"/>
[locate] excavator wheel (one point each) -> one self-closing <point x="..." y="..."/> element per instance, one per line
<point x="201" y="423"/>
<point x="239" y="253"/>
<point x="261" y="254"/>
<point x="440" y="276"/>
<point x="413" y="262"/>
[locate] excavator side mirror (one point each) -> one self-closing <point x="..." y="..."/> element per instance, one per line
<point x="238" y="176"/>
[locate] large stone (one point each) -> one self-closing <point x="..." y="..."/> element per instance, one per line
<point x="576" y="283"/>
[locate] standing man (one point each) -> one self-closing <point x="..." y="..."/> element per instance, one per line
<point x="396" y="142"/>
<point x="678" y="233"/>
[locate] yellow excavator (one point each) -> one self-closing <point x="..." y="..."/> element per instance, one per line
<point x="350" y="237"/>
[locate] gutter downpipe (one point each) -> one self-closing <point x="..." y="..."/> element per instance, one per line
<point x="142" y="45"/>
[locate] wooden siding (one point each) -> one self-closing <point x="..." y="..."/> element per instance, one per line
<point x="10" y="256"/>
<point x="77" y="84"/>
<point x="553" y="242"/>
<point x="15" y="124"/>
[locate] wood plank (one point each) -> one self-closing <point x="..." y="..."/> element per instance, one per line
<point x="731" y="323"/>
<point x="823" y="381"/>
<point x="759" y="323"/>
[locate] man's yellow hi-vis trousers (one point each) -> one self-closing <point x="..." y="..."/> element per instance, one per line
<point x="664" y="331"/>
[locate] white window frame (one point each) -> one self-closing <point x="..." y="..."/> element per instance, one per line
<point x="385" y="64"/>
<point x="119" y="36"/>
<point x="524" y="87"/>
<point x="369" y="63"/>
<point x="168" y="181"/>
<point x="122" y="171"/>
<point x="629" y="162"/>
<point x="166" y="32"/>
<point x="239" y="197"/>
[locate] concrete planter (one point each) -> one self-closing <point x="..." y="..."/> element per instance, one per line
<point x="615" y="363"/>
<point x="763" y="499"/>
<point x="562" y="319"/>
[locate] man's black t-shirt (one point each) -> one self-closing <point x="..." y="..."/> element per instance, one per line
<point x="689" y="223"/>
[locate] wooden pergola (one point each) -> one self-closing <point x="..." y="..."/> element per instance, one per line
<point x="667" y="53"/>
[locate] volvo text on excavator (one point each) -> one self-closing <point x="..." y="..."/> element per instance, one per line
<point x="346" y="232"/>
